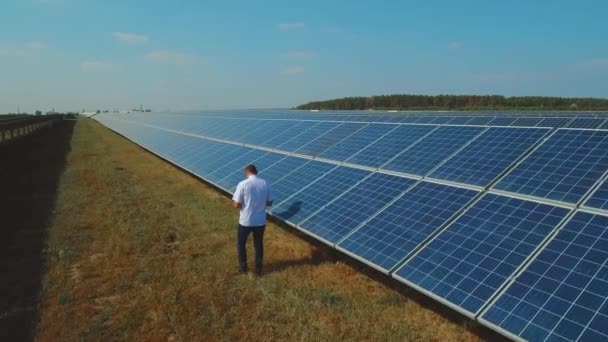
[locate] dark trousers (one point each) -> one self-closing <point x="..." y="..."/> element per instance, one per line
<point x="258" y="244"/>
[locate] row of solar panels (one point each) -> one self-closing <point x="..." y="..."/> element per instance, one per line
<point x="455" y="242"/>
<point x="472" y="155"/>
<point x="570" y="120"/>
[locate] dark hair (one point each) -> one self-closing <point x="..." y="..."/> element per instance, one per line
<point x="252" y="169"/>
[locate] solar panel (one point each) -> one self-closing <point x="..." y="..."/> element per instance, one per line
<point x="262" y="162"/>
<point x="318" y="193"/>
<point x="563" y="168"/>
<point x="586" y="123"/>
<point x="459" y="120"/>
<point x="495" y="256"/>
<point x="502" y="121"/>
<point x="489" y="155"/>
<point x="329" y="139"/>
<point x="307" y="136"/>
<point x="527" y="122"/>
<point x="599" y="199"/>
<point x="473" y="258"/>
<point x="426" y="154"/>
<point x="274" y="139"/>
<point x="297" y="180"/>
<point x="269" y="128"/>
<point x="480" y="120"/>
<point x="561" y="295"/>
<point x="554" y="122"/>
<point x="390" y="145"/>
<point x="355" y="206"/>
<point x="402" y="226"/>
<point x="358" y="141"/>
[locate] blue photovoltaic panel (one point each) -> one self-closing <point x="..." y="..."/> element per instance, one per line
<point x="267" y="128"/>
<point x="395" y="232"/>
<point x="356" y="142"/>
<point x="586" y="123"/>
<point x="263" y="162"/>
<point x="274" y="139"/>
<point x="605" y="125"/>
<point x="459" y="120"/>
<point x="527" y="122"/>
<point x="474" y="257"/>
<point x="554" y="122"/>
<point x="426" y="154"/>
<point x="439" y="120"/>
<point x="599" y="199"/>
<point x="237" y="163"/>
<point x="502" y="121"/>
<point x="561" y="295"/>
<point x="329" y="139"/>
<point x="354" y="207"/>
<point x="486" y="157"/>
<point x="304" y="203"/>
<point x="390" y="145"/>
<point x="563" y="168"/>
<point x="280" y="169"/>
<point x="307" y="136"/>
<point x="480" y="120"/>
<point x="295" y="181"/>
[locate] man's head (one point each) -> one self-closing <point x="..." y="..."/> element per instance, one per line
<point x="251" y="170"/>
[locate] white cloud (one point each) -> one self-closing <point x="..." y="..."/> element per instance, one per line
<point x="97" y="66"/>
<point x="35" y="45"/>
<point x="130" y="37"/>
<point x="293" y="71"/>
<point x="171" y="57"/>
<point x="300" y="54"/>
<point x="290" y="26"/>
<point x="456" y="45"/>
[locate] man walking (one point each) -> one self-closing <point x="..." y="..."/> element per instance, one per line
<point x="252" y="196"/>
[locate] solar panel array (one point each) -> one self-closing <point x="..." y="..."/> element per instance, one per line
<point x="502" y="217"/>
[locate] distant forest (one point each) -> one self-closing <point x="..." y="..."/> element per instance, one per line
<point x="458" y="102"/>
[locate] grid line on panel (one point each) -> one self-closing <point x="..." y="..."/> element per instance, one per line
<point x="307" y="136"/>
<point x="329" y="139"/>
<point x="358" y="141"/>
<point x="423" y="156"/>
<point x="585" y="123"/>
<point x="599" y="198"/>
<point x="562" y="292"/>
<point x="564" y="168"/>
<point x="297" y="181"/>
<point x="489" y="155"/>
<point x="355" y="206"/>
<point x="390" y="145"/>
<point x="318" y="194"/>
<point x="476" y="254"/>
<point x="273" y="141"/>
<point x="399" y="228"/>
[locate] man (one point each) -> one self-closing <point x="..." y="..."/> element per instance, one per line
<point x="252" y="196"/>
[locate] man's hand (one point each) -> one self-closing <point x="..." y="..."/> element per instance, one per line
<point x="237" y="205"/>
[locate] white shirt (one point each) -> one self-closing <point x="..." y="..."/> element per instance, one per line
<point x="253" y="194"/>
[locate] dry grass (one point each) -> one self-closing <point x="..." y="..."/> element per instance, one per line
<point x="139" y="250"/>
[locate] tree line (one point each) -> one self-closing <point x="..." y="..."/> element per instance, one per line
<point x="458" y="102"/>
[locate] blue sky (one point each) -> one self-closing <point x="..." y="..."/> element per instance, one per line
<point x="75" y="54"/>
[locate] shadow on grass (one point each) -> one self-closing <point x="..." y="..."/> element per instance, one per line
<point x="325" y="254"/>
<point x="30" y="169"/>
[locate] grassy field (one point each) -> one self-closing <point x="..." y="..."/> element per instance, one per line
<point x="139" y="250"/>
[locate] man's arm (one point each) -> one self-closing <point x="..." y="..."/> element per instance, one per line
<point x="238" y="196"/>
<point x="269" y="197"/>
